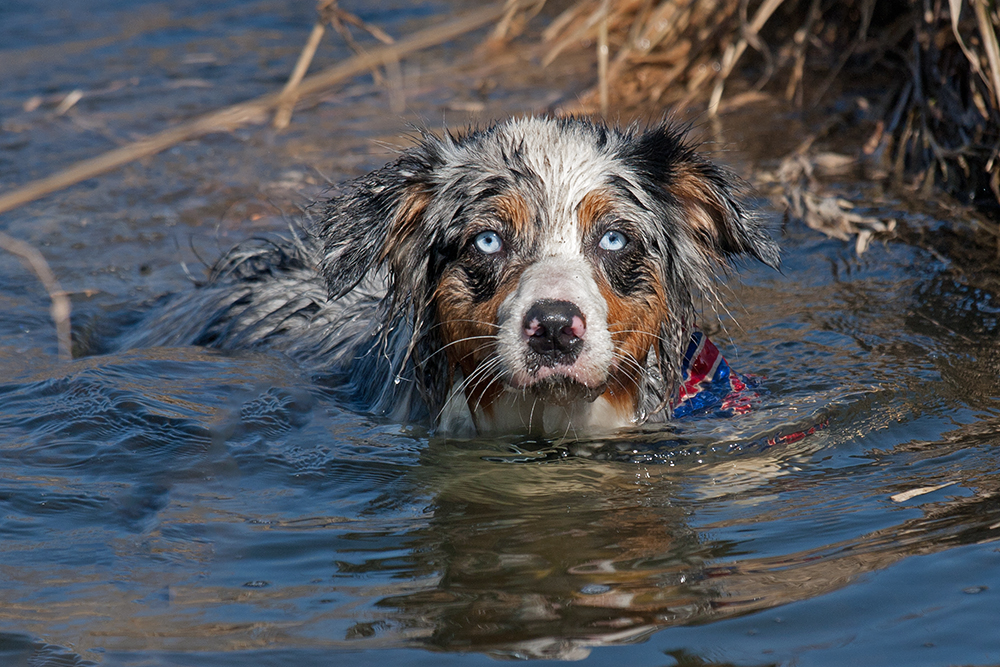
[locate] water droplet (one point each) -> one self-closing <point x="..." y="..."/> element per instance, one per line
<point x="595" y="589"/>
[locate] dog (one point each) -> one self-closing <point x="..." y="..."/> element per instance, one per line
<point x="536" y="276"/>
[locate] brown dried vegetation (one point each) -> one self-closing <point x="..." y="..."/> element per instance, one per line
<point x="929" y="71"/>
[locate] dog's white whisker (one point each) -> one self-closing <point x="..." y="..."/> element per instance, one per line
<point x="459" y="342"/>
<point x="481" y="370"/>
<point x="531" y="414"/>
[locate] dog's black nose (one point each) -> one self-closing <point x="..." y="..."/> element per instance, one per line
<point x="555" y="331"/>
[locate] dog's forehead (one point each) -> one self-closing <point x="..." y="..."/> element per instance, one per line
<point x="571" y="162"/>
<point x="569" y="159"/>
<point x="562" y="161"/>
<point x="552" y="166"/>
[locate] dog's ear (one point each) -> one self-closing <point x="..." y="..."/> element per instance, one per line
<point x="712" y="201"/>
<point x="709" y="197"/>
<point x="378" y="224"/>
<point x="381" y="229"/>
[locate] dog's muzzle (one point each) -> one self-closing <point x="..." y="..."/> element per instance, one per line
<point x="554" y="339"/>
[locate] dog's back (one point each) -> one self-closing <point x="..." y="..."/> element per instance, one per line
<point x="268" y="293"/>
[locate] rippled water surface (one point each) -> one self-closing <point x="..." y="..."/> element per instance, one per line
<point x="187" y="507"/>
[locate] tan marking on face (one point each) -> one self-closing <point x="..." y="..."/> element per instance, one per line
<point x="595" y="205"/>
<point x="634" y="324"/>
<point x="468" y="334"/>
<point x="514" y="210"/>
<point x="404" y="227"/>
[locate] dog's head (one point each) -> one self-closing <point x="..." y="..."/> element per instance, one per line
<point x="544" y="262"/>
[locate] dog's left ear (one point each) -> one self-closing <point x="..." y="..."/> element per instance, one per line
<point x="379" y="224"/>
<point x="710" y="197"/>
<point x="380" y="230"/>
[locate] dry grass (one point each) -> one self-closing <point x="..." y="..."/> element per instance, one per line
<point x="934" y="64"/>
<point x="60" y="308"/>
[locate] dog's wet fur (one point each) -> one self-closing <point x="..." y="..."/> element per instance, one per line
<point x="535" y="276"/>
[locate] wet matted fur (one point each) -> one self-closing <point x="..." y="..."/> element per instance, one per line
<point x="537" y="275"/>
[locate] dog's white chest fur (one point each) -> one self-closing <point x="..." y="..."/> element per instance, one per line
<point x="518" y="413"/>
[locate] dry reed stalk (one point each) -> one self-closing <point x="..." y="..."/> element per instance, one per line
<point x="252" y="111"/>
<point x="793" y="90"/>
<point x="69" y="102"/>
<point x="648" y="36"/>
<point x="559" y="23"/>
<point x="666" y="23"/>
<point x="988" y="32"/>
<point x="735" y="51"/>
<point x="580" y="30"/>
<point x="631" y="40"/>
<point x="331" y="13"/>
<point x="505" y="26"/>
<point x="340" y="20"/>
<point x="289" y="95"/>
<point x="955" y="11"/>
<point x="61" y="307"/>
<point x="602" y="58"/>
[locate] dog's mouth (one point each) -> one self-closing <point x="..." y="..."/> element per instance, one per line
<point x="559" y="383"/>
<point x="562" y="390"/>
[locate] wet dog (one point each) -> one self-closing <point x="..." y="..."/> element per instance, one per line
<point x="539" y="275"/>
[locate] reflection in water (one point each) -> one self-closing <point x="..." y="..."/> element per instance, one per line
<point x="544" y="561"/>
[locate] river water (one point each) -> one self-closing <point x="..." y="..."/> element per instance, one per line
<point x="187" y="507"/>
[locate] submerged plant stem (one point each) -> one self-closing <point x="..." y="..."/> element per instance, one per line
<point x="60" y="309"/>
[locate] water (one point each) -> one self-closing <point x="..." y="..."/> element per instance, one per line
<point x="186" y="507"/>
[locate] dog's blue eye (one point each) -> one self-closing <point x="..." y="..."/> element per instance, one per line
<point x="488" y="242"/>
<point x="613" y="240"/>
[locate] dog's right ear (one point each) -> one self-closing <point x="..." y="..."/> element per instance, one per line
<point x="378" y="223"/>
